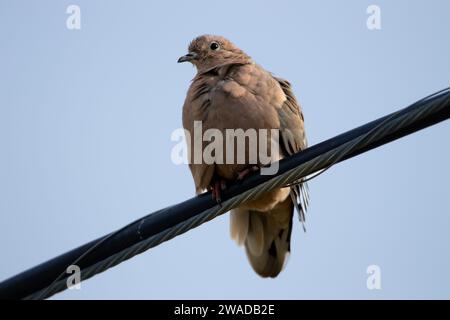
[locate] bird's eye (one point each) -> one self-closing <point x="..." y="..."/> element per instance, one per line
<point x="214" y="46"/>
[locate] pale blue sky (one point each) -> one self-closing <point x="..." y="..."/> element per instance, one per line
<point x="86" y="118"/>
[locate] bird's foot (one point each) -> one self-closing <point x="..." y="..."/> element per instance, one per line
<point x="216" y="190"/>
<point x="242" y="174"/>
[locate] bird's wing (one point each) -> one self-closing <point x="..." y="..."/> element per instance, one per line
<point x="293" y="140"/>
<point x="197" y="107"/>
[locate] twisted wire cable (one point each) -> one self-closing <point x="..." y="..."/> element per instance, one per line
<point x="391" y="125"/>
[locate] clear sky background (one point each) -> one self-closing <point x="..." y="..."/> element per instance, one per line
<point x="85" y="123"/>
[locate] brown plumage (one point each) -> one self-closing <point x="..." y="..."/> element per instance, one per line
<point x="230" y="91"/>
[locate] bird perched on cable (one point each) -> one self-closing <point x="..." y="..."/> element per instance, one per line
<point x="231" y="91"/>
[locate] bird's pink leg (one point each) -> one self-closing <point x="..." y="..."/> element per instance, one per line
<point x="216" y="189"/>
<point x="241" y="175"/>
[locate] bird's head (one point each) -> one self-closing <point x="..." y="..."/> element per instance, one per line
<point x="209" y="51"/>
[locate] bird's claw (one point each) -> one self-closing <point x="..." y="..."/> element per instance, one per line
<point x="216" y="190"/>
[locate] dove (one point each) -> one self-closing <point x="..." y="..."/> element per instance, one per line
<point x="231" y="91"/>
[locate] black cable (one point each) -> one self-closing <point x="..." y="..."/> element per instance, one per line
<point x="43" y="277"/>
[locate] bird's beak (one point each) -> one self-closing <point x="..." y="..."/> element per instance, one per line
<point x="188" y="57"/>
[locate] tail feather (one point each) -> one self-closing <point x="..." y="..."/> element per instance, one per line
<point x="300" y="197"/>
<point x="266" y="236"/>
<point x="239" y="220"/>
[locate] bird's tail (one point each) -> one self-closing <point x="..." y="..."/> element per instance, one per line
<point x="266" y="236"/>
